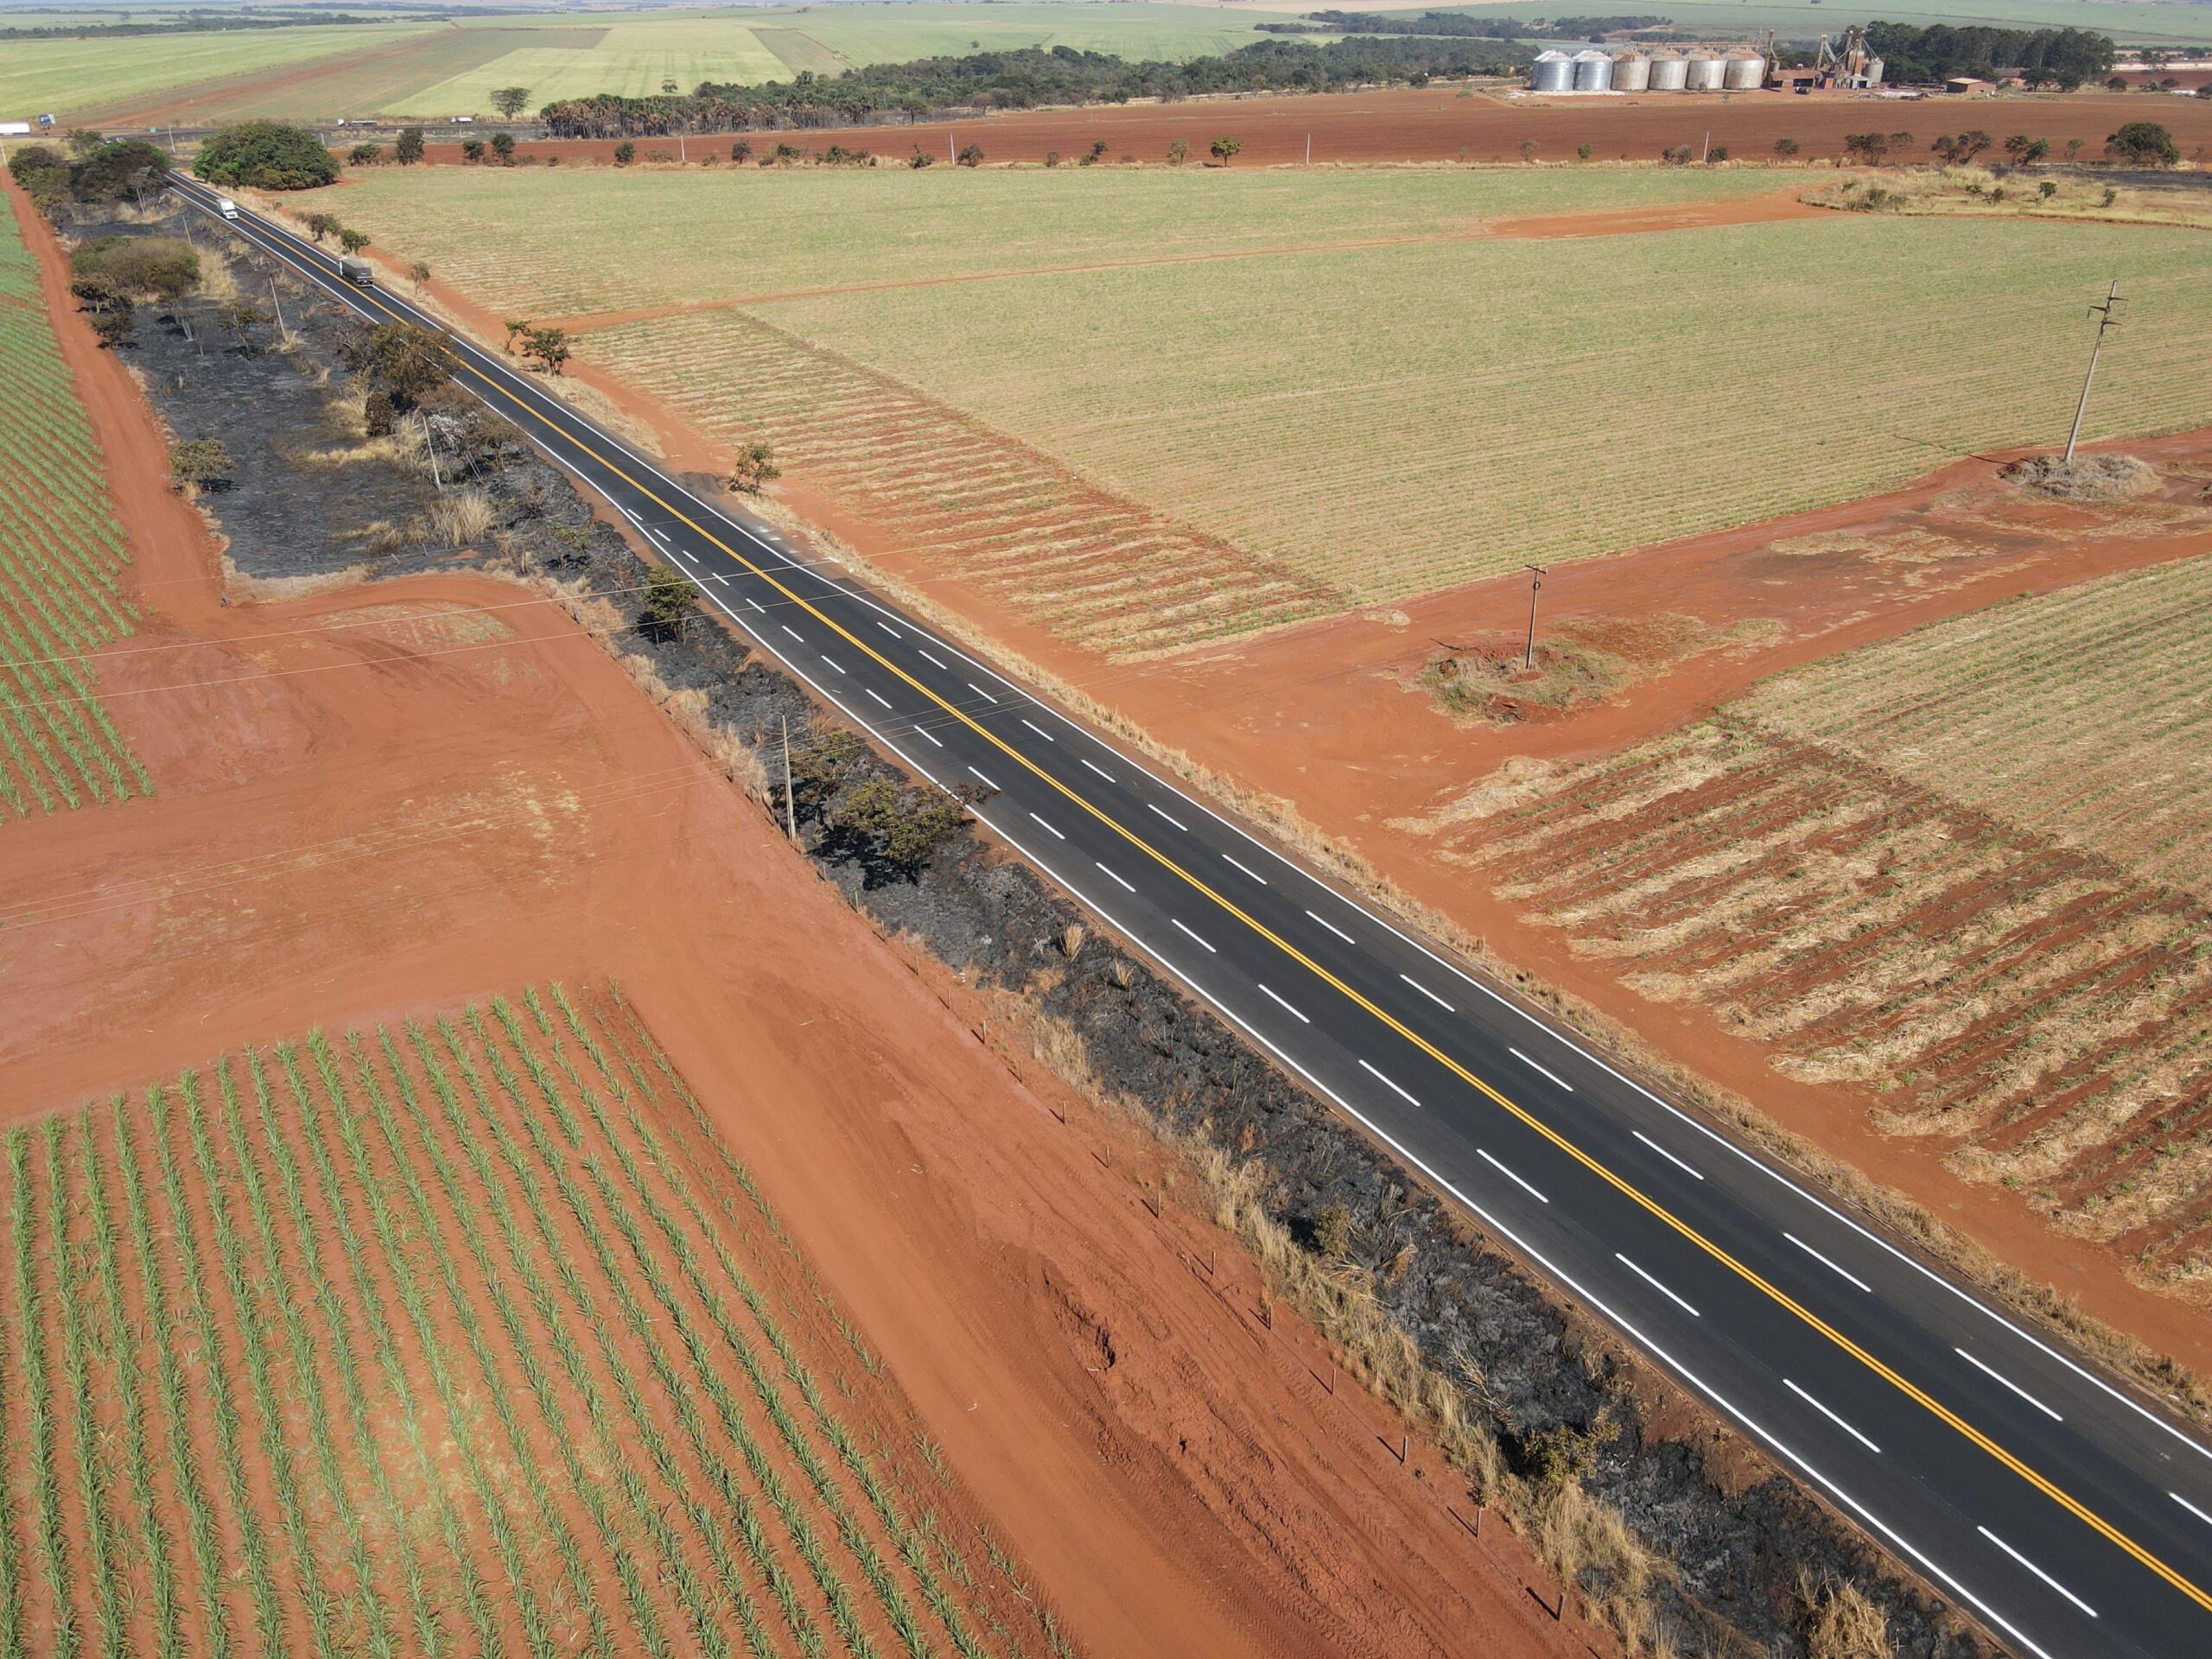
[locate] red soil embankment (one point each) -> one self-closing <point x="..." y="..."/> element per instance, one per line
<point x="1433" y="124"/>
<point x="359" y="818"/>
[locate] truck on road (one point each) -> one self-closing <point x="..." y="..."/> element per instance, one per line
<point x="226" y="207"/>
<point x="359" y="272"/>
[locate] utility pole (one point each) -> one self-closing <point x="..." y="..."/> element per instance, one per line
<point x="1706" y="155"/>
<point x="1535" y="585"/>
<point x="2104" y="314"/>
<point x="681" y="155"/>
<point x="791" y="807"/>
<point x="1309" y="150"/>
<point x="430" y="448"/>
<point x="279" y="305"/>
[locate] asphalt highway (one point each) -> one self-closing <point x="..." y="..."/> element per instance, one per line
<point x="2070" y="1515"/>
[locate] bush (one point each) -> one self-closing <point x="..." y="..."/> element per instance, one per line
<point x="2143" y="143"/>
<point x="472" y="149"/>
<point x="503" y="146"/>
<point x="267" y="155"/>
<point x="668" y="605"/>
<point x="197" y="464"/>
<point x="1785" y="147"/>
<point x="971" y="155"/>
<point x="408" y="149"/>
<point x="365" y="155"/>
<point x="625" y="153"/>
<point x="147" y="267"/>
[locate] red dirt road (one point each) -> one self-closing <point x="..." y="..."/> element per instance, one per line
<point x="374" y="802"/>
<point x="1437" y="124"/>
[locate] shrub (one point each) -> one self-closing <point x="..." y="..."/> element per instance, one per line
<point x="971" y="154"/>
<point x="1785" y="147"/>
<point x="625" y="153"/>
<point x="146" y="267"/>
<point x="364" y="155"/>
<point x="1051" y="158"/>
<point x="668" y="605"/>
<point x="1717" y="153"/>
<point x="754" y="466"/>
<point x="197" y="464"/>
<point x="741" y="150"/>
<point x="267" y="156"/>
<point x="503" y="146"/>
<point x="472" y="149"/>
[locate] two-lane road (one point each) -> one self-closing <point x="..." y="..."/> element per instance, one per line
<point x="2075" y="1519"/>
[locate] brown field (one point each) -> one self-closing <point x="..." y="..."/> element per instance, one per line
<point x="385" y="805"/>
<point x="1438" y="124"/>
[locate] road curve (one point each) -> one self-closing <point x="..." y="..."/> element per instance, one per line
<point x="2072" y="1516"/>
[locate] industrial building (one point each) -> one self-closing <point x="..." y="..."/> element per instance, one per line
<point x="1847" y="65"/>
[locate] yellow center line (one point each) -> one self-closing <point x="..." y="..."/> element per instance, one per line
<point x="1750" y="1276"/>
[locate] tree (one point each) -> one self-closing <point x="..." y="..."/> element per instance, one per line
<point x="503" y="146"/>
<point x="320" y="228"/>
<point x="197" y="464"/>
<point x="550" y="346"/>
<point x="625" y="153"/>
<point x="509" y="100"/>
<point x="1785" y="147"/>
<point x="890" y="831"/>
<point x="117" y="169"/>
<point x="408" y="149"/>
<point x="266" y="156"/>
<point x="1963" y="149"/>
<point x="472" y="149"/>
<point x="2023" y="149"/>
<point x="1868" y="147"/>
<point x="2143" y="143"/>
<point x="1527" y="150"/>
<point x="352" y="240"/>
<point x="755" y="465"/>
<point x="515" y="326"/>
<point x="81" y="142"/>
<point x="741" y="150"/>
<point x="1584" y="152"/>
<point x="2074" y="149"/>
<point x="405" y="362"/>
<point x="668" y="605"/>
<point x="971" y="154"/>
<point x="418" y="273"/>
<point x="1225" y="149"/>
<point x="106" y="305"/>
<point x="365" y="155"/>
<point x="1179" y="151"/>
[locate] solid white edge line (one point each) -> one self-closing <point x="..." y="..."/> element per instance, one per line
<point x="1112" y="876"/>
<point x="1248" y="870"/>
<point x="2191" y="1507"/>
<point x="303" y="261"/>
<point x="1179" y="826"/>
<point x="1334" y="928"/>
<point x="1831" y="1416"/>
<point x="1510" y="1176"/>
<point x="1100" y="770"/>
<point x="1386" y="1084"/>
<point x="1690" y="1170"/>
<point x="1999" y="1376"/>
<point x="1657" y="1286"/>
<point x="1057" y="834"/>
<point x="2038" y="1571"/>
<point x="1829" y="1265"/>
<point x="1039" y="730"/>
<point x="1534" y="1066"/>
<point x="1187" y="928"/>
<point x="924" y="731"/>
<point x="879" y="697"/>
<point x="1286" y="1007"/>
<point x="1430" y="995"/>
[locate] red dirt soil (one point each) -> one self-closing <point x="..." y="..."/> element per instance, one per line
<point x="356" y="823"/>
<point x="1435" y="124"/>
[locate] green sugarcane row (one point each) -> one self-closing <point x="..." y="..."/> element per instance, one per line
<point x="63" y="1635"/>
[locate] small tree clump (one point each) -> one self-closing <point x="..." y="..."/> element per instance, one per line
<point x="266" y="156"/>
<point x="668" y="606"/>
<point x="754" y="466"/>
<point x="408" y="149"/>
<point x="625" y="153"/>
<point x="197" y="464"/>
<point x="548" y="345"/>
<point x="503" y="146"/>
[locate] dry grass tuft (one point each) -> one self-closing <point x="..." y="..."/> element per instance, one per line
<point x="2087" y="478"/>
<point x="460" y="516"/>
<point x="1841" y="1623"/>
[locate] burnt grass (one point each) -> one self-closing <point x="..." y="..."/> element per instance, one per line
<point x="1735" y="1555"/>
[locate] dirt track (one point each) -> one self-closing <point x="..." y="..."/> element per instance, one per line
<point x="1438" y="124"/>
<point x="374" y="802"/>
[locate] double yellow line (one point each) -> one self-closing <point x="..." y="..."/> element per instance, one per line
<point x="1749" y="1276"/>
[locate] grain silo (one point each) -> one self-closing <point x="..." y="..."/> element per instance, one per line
<point x="1667" y="71"/>
<point x="1593" y="71"/>
<point x="1706" y="74"/>
<point x="1744" y="72"/>
<point x="1553" y="72"/>
<point x="1631" y="72"/>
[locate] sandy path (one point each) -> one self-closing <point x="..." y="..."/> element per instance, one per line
<point x="356" y="823"/>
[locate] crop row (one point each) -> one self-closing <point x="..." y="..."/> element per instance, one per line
<point x="429" y="1341"/>
<point x="61" y="559"/>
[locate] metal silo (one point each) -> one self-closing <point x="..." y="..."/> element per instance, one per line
<point x="1873" y="72"/>
<point x="1593" y="71"/>
<point x="1706" y="73"/>
<point x="1631" y="72"/>
<point x="1553" y="72"/>
<point x="1668" y="71"/>
<point x="1745" y="72"/>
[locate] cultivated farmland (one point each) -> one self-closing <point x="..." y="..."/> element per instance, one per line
<point x="62" y="560"/>
<point x="434" y="1339"/>
<point x="1962" y="871"/>
<point x="69" y="75"/>
<point x="1373" y="400"/>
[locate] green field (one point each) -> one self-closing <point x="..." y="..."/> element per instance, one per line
<point x="452" y="68"/>
<point x="64" y="76"/>
<point x="62" y="557"/>
<point x="1371" y="399"/>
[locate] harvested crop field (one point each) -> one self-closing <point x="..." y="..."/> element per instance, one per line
<point x="437" y="1335"/>
<point x="64" y="590"/>
<point x="1951" y="872"/>
<point x="1377" y="397"/>
<point x="77" y="77"/>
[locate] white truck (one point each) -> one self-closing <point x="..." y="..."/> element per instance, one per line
<point x="226" y="207"/>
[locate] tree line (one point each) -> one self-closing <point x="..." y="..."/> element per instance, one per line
<point x="2065" y="57"/>
<point x="1024" y="79"/>
<point x="1460" y="23"/>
